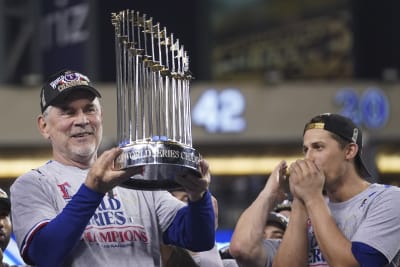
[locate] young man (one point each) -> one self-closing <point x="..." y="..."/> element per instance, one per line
<point x="71" y="211"/>
<point x="356" y="223"/>
<point x="273" y="231"/>
<point x="248" y="244"/>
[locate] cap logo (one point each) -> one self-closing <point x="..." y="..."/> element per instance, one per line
<point x="355" y="135"/>
<point x="316" y="125"/>
<point x="68" y="80"/>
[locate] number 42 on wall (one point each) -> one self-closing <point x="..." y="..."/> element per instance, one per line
<point x="220" y="111"/>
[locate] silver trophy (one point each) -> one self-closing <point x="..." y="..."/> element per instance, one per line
<point x="153" y="103"/>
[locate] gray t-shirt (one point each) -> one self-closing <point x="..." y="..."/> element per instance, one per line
<point x="371" y="217"/>
<point x="271" y="246"/>
<point x="209" y="258"/>
<point x="125" y="230"/>
<point x="229" y="263"/>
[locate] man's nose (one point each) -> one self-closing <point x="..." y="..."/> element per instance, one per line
<point x="309" y="154"/>
<point x="82" y="118"/>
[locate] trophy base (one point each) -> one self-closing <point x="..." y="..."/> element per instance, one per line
<point x="163" y="161"/>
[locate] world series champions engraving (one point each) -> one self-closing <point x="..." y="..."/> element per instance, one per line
<point x="153" y="103"/>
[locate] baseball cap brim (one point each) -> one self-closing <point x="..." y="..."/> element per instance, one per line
<point x="277" y="220"/>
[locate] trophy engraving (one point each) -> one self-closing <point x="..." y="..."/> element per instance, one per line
<point x="153" y="102"/>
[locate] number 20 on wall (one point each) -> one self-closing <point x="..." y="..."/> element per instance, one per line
<point x="370" y="110"/>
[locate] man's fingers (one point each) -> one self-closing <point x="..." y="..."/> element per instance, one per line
<point x="205" y="167"/>
<point x="111" y="155"/>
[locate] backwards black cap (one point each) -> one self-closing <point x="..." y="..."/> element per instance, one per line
<point x="278" y="220"/>
<point x="63" y="83"/>
<point x="344" y="128"/>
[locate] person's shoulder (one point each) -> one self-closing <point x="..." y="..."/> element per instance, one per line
<point x="385" y="194"/>
<point x="385" y="188"/>
<point x="38" y="171"/>
<point x="26" y="177"/>
<point x="392" y="187"/>
<point x="32" y="176"/>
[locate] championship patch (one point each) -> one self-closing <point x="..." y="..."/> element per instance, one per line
<point x="69" y="80"/>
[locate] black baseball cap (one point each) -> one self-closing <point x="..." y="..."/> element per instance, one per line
<point x="63" y="83"/>
<point x="278" y="220"/>
<point x="344" y="128"/>
<point x="5" y="204"/>
<point x="285" y="205"/>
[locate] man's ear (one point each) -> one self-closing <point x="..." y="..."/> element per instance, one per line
<point x="351" y="151"/>
<point x="42" y="125"/>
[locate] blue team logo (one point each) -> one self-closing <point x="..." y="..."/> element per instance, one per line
<point x="71" y="77"/>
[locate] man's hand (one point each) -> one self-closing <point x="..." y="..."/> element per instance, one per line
<point x="103" y="177"/>
<point x="306" y="180"/>
<point x="196" y="186"/>
<point x="275" y="185"/>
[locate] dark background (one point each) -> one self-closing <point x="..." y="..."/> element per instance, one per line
<point x="180" y="18"/>
<point x="376" y="37"/>
<point x="374" y="26"/>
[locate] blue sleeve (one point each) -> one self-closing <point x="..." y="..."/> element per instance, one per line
<point x="193" y="226"/>
<point x="367" y="256"/>
<point x="56" y="239"/>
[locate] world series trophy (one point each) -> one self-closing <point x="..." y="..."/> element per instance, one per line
<point x="153" y="103"/>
